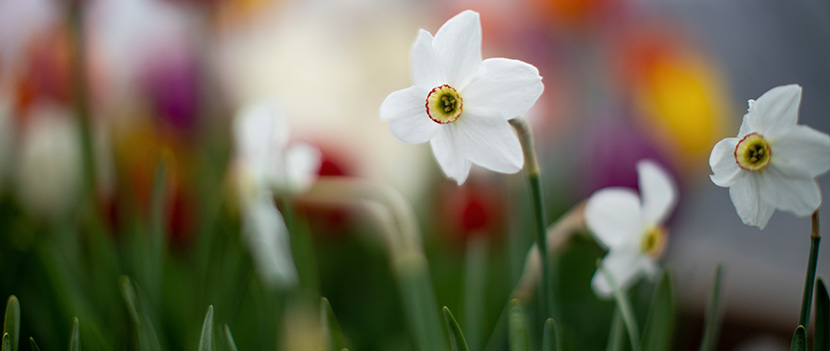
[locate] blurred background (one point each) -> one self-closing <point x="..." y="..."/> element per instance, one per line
<point x="93" y="94"/>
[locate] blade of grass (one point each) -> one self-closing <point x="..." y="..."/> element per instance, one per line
<point x="6" y="346"/>
<point x="33" y="344"/>
<point x="75" y="338"/>
<point x="625" y="309"/>
<point x="206" y="340"/>
<point x="11" y="324"/>
<point x="332" y="327"/>
<point x="616" y="337"/>
<point x="660" y="322"/>
<point x="549" y="340"/>
<point x="229" y="338"/>
<point x="457" y="341"/>
<point x="799" y="342"/>
<point x="713" y="313"/>
<point x="821" y="340"/>
<point x="519" y="338"/>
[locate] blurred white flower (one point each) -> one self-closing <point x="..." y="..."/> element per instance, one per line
<point x="773" y="162"/>
<point x="48" y="169"/>
<point x="461" y="104"/>
<point x="265" y="164"/>
<point x="630" y="227"/>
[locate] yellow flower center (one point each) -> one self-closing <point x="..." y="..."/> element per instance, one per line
<point x="444" y="105"/>
<point x="654" y="241"/>
<point x="753" y="153"/>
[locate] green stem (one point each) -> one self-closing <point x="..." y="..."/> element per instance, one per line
<point x="302" y="247"/>
<point x="624" y="306"/>
<point x="79" y="95"/>
<point x="534" y="177"/>
<point x="810" y="279"/>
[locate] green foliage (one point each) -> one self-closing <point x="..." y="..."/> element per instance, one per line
<point x="229" y="339"/>
<point x="206" y="340"/>
<point x="332" y="328"/>
<point x="549" y="340"/>
<point x="799" y="342"/>
<point x="11" y="326"/>
<point x="822" y="332"/>
<point x="75" y="338"/>
<point x="519" y="337"/>
<point x="660" y="323"/>
<point x="713" y="313"/>
<point x="457" y="341"/>
<point x="33" y="344"/>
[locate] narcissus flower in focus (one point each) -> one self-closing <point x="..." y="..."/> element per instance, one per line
<point x="773" y="162"/>
<point x="630" y="227"/>
<point x="461" y="104"/>
<point x="267" y="164"/>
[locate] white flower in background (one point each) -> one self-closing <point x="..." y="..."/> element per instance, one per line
<point x="48" y="168"/>
<point x="265" y="164"/>
<point x="630" y="227"/>
<point x="773" y="162"/>
<point x="461" y="104"/>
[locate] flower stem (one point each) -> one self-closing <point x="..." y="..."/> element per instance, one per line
<point x="624" y="307"/>
<point x="534" y="177"/>
<point x="810" y="279"/>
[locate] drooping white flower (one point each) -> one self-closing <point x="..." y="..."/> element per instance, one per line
<point x="461" y="104"/>
<point x="773" y="162"/>
<point x="630" y="227"/>
<point x="266" y="163"/>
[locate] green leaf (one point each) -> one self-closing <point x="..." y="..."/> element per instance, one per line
<point x="821" y="340"/>
<point x="147" y="338"/>
<point x="75" y="338"/>
<point x="457" y="342"/>
<point x="624" y="306"/>
<point x="33" y="344"/>
<point x="799" y="342"/>
<point x="206" y="340"/>
<point x="334" y="333"/>
<point x="660" y="320"/>
<point x="229" y="338"/>
<point x="713" y="313"/>
<point x="12" y="322"/>
<point x="518" y="328"/>
<point x="549" y="340"/>
<point x="616" y="337"/>
<point x="7" y="343"/>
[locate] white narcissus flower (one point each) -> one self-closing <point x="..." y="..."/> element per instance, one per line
<point x="267" y="164"/>
<point x="461" y="104"/>
<point x="773" y="162"/>
<point x="630" y="227"/>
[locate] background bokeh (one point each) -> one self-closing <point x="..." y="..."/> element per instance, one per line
<point x="624" y="80"/>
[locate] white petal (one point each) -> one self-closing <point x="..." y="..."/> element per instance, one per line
<point x="657" y="190"/>
<point x="260" y="127"/>
<point x="446" y="153"/>
<point x="302" y="164"/>
<point x="775" y="111"/>
<point x="613" y="216"/>
<point x="426" y="68"/>
<point x="802" y="152"/>
<point x="510" y="87"/>
<point x="624" y="267"/>
<point x="407" y="116"/>
<point x="458" y="46"/>
<point x="799" y="196"/>
<point x="723" y="164"/>
<point x="489" y="142"/>
<point x="267" y="238"/>
<point x="747" y="200"/>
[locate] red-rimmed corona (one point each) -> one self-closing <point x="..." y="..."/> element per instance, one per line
<point x="444" y="104"/>
<point x="753" y="153"/>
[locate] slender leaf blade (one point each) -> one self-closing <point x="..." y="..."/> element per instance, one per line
<point x="33" y="344"/>
<point x="336" y="341"/>
<point x="206" y="340"/>
<point x="821" y="340"/>
<point x="714" y="314"/>
<point x="550" y="342"/>
<point x="518" y="328"/>
<point x="799" y="342"/>
<point x="229" y="338"/>
<point x="75" y="338"/>
<point x="457" y="341"/>
<point x="11" y="324"/>
<point x="660" y="320"/>
<point x="6" y="346"/>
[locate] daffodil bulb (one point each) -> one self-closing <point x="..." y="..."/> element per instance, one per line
<point x="630" y="227"/>
<point x="461" y="104"/>
<point x="266" y="163"/>
<point x="773" y="162"/>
